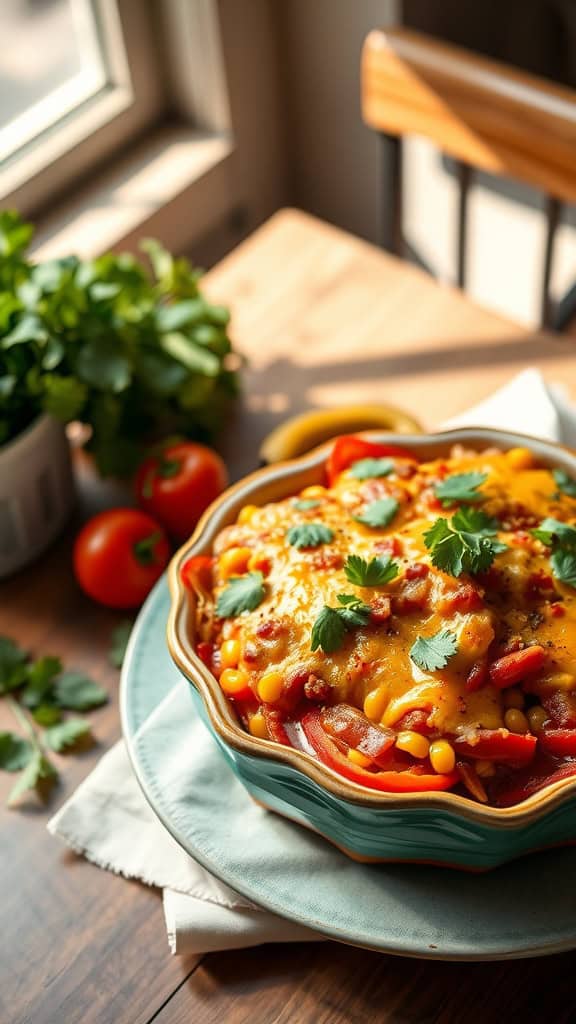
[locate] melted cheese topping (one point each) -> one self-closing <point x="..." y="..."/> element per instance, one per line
<point x="512" y="604"/>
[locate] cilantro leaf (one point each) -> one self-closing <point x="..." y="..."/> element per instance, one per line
<point x="66" y="734"/>
<point x="434" y="652"/>
<point x="354" y="612"/>
<point x="364" y="469"/>
<point x="12" y="665"/>
<point x="563" y="562"/>
<point x="243" y="594"/>
<point x="309" y="535"/>
<point x="564" y="483"/>
<point x="465" y="544"/>
<point x="306" y="503"/>
<point x="41" y="676"/>
<point x="375" y="573"/>
<point x="379" y="513"/>
<point x="552" y="532"/>
<point x="460" y="487"/>
<point x="77" y="692"/>
<point x="120" y="638"/>
<point x="328" y="630"/>
<point x="15" y="752"/>
<point x="38" y="773"/>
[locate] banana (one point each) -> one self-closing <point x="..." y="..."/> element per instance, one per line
<point x="301" y="433"/>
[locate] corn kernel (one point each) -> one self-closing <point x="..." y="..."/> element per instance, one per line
<point x="513" y="698"/>
<point x="520" y="458"/>
<point x="257" y="726"/>
<point x="259" y="563"/>
<point x="358" y="758"/>
<point x="442" y="757"/>
<point x="234" y="562"/>
<point x="230" y="653"/>
<point x="316" y="491"/>
<point x="375" y="703"/>
<point x="233" y="681"/>
<point x="516" y="721"/>
<point x="537" y="717"/>
<point x="413" y="743"/>
<point x="485" y="769"/>
<point x="245" y="514"/>
<point x="270" y="687"/>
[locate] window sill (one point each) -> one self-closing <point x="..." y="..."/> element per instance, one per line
<point x="173" y="185"/>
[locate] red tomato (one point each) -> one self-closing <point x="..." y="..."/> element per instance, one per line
<point x="498" y="745"/>
<point x="119" y="555"/>
<point x="349" y="449"/>
<point x="511" y="668"/>
<point x="178" y="485"/>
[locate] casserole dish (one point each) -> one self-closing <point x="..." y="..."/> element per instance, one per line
<point x="441" y="827"/>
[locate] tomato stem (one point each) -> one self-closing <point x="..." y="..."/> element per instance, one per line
<point x="144" y="549"/>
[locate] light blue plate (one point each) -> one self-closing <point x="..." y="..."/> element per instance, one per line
<point x="526" y="908"/>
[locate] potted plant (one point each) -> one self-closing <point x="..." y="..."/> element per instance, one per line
<point x="135" y="356"/>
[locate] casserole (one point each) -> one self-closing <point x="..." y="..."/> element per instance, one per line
<point x="433" y="824"/>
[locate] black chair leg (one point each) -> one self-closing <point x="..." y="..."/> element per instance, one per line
<point x="391" y="223"/>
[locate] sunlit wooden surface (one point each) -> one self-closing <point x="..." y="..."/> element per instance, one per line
<point x="323" y="318"/>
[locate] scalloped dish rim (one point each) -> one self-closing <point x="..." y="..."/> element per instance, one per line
<point x="220" y="513"/>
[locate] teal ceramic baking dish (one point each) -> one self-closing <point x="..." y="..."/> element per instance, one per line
<point x="441" y="828"/>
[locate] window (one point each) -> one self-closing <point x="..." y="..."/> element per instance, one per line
<point x="81" y="79"/>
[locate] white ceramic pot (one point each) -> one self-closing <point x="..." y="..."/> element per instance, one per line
<point x="36" y="492"/>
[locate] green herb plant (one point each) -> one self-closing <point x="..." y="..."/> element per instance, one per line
<point x="38" y="693"/>
<point x="136" y="356"/>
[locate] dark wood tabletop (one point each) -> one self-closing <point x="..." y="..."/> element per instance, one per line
<point x="325" y="319"/>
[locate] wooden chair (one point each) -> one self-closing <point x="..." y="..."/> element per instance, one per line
<point x="483" y="114"/>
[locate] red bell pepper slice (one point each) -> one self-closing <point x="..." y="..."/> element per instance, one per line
<point x="497" y="745"/>
<point x="409" y="781"/>
<point x="561" y="742"/>
<point x="349" y="449"/>
<point x="519" y="791"/>
<point x="510" y="669"/>
<point x="349" y="726"/>
<point x="196" y="573"/>
<point x="275" y="725"/>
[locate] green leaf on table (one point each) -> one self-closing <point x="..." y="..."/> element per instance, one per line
<point x="564" y="483"/>
<point x="379" y="513"/>
<point x="243" y="594"/>
<point x="309" y="535"/>
<point x="13" y="670"/>
<point x="461" y="487"/>
<point x="434" y="652"/>
<point x="46" y="714"/>
<point x="66" y="735"/>
<point x="119" y="643"/>
<point x="375" y="573"/>
<point x="40" y="682"/>
<point x="15" y="752"/>
<point x="38" y="774"/>
<point x="77" y="692"/>
<point x="366" y="469"/>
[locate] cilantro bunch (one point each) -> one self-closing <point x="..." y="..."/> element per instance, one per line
<point x="135" y="356"/>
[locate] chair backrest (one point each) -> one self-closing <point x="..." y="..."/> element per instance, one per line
<point x="482" y="113"/>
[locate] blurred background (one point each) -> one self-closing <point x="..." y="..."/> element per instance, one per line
<point x="194" y="120"/>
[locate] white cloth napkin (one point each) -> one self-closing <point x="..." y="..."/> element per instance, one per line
<point x="109" y="821"/>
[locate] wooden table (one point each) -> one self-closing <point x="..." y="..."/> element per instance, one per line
<point x="324" y="318"/>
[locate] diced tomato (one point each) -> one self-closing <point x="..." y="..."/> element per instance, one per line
<point x="415" y="721"/>
<point x="325" y="560"/>
<point x="477" y="676"/>
<point x="497" y="745"/>
<point x="349" y="449"/>
<point x="431" y="500"/>
<point x="491" y="578"/>
<point x="205" y="652"/>
<point x="562" y="709"/>
<point x="352" y="727"/>
<point x="416" y="571"/>
<point x="539" y="583"/>
<point x="409" y="781"/>
<point x="196" y="572"/>
<point x="275" y="725"/>
<point x="389" y="546"/>
<point x="560" y="742"/>
<point x="380" y="609"/>
<point x="466" y="598"/>
<point x="269" y="628"/>
<point x="557" y="610"/>
<point x="539" y="776"/>
<point x="316" y="690"/>
<point x="472" y="781"/>
<point x="412" y="596"/>
<point x="510" y="669"/>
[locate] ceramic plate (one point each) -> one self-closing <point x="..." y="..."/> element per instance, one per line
<point x="526" y="908"/>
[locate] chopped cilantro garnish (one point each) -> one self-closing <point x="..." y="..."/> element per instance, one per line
<point x="564" y="483"/>
<point x="461" y="487"/>
<point x="332" y="624"/>
<point x="465" y="544"/>
<point x="378" y="513"/>
<point x="374" y="573"/>
<point x="433" y="652"/>
<point x="364" y="469"/>
<point x="552" y="532"/>
<point x="306" y="503"/>
<point x="243" y="594"/>
<point x="309" y="535"/>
